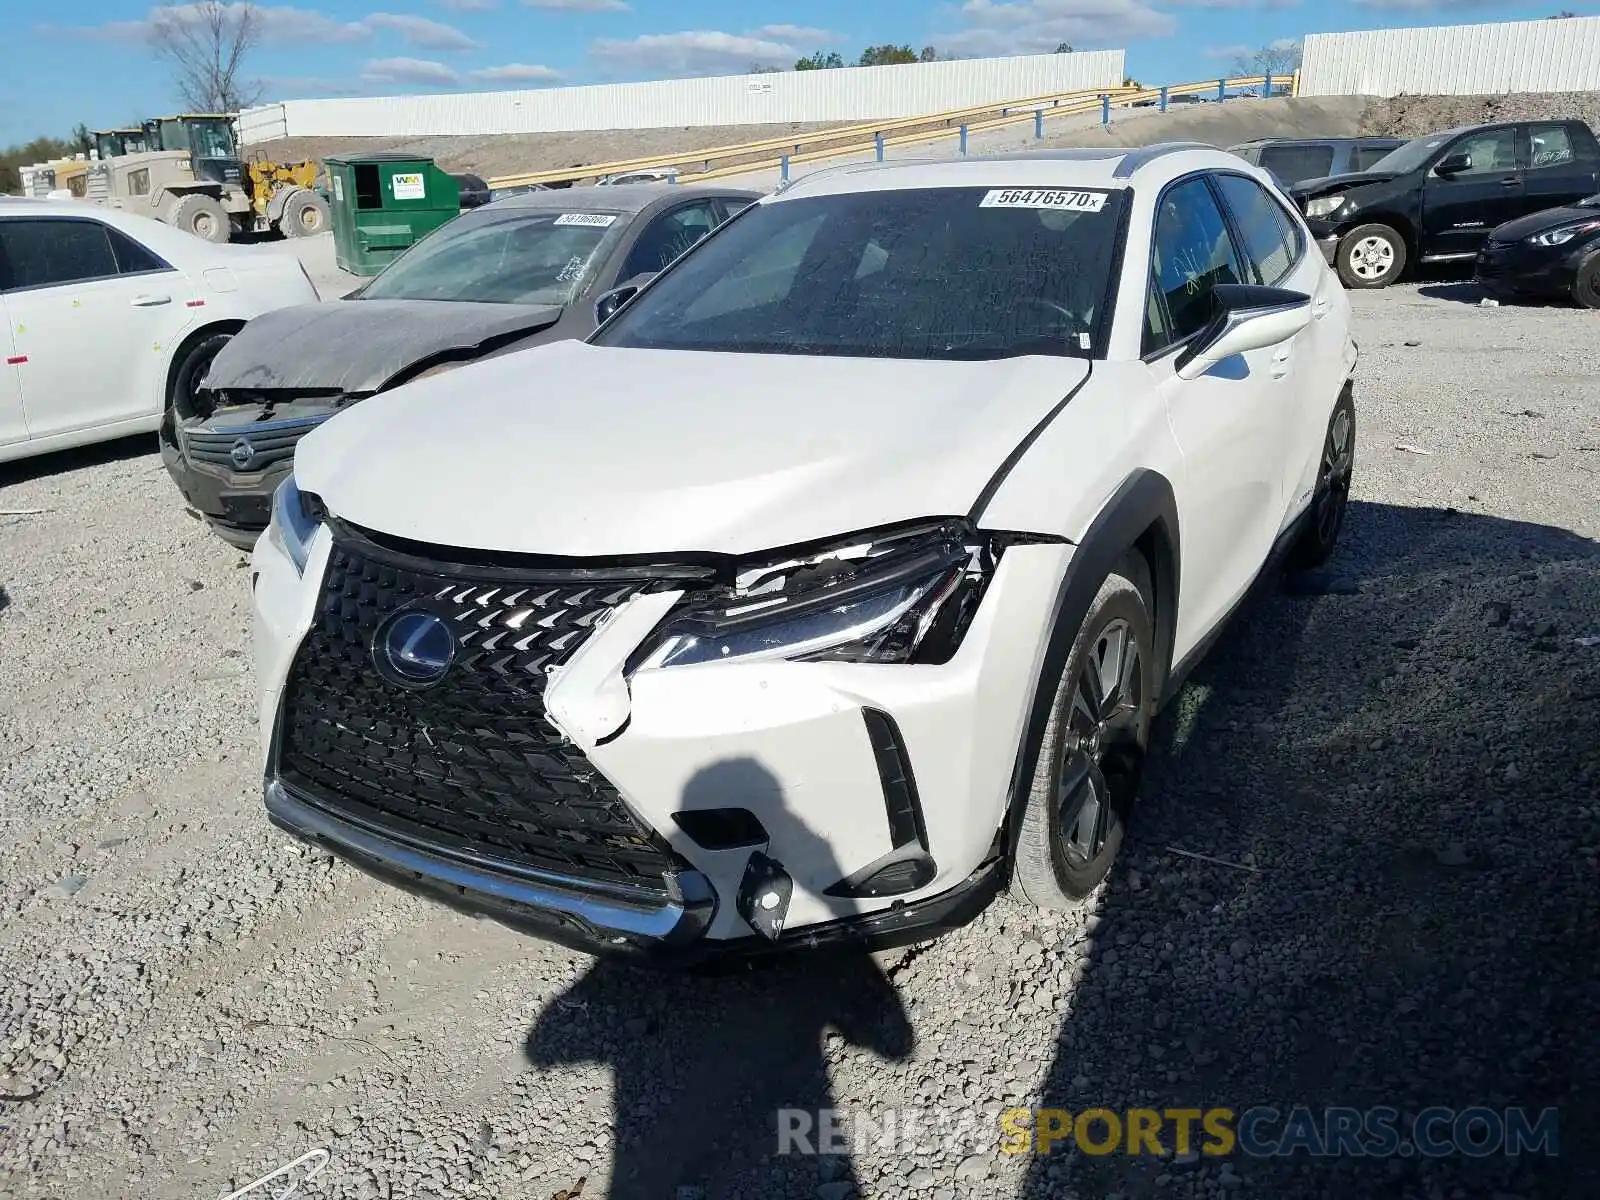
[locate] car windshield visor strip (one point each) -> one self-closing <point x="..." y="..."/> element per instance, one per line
<point x="955" y="273"/>
<point x="414" y="707"/>
<point x="895" y="596"/>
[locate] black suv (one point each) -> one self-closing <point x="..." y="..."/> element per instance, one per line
<point x="1436" y="198"/>
<point x="1291" y="160"/>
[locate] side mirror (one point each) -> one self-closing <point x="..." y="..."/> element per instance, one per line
<point x="1453" y="164"/>
<point x="1243" y="317"/>
<point x="607" y="304"/>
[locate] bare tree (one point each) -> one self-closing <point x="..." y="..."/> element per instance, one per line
<point x="1279" y="58"/>
<point x="207" y="44"/>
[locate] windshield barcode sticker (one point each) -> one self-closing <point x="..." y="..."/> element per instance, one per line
<point x="600" y="220"/>
<point x="1044" y="198"/>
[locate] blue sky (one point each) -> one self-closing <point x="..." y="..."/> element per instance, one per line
<point x="89" y="60"/>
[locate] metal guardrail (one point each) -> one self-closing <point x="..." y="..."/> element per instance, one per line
<point x="877" y="137"/>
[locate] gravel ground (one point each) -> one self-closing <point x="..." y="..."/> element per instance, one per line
<point x="1399" y="758"/>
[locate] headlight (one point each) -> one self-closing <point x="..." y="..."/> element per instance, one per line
<point x="295" y="519"/>
<point x="1324" y="206"/>
<point x="887" y="598"/>
<point x="1560" y="237"/>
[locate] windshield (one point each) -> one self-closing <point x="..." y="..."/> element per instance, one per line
<point x="212" y="139"/>
<point x="501" y="258"/>
<point x="1405" y="159"/>
<point x="942" y="273"/>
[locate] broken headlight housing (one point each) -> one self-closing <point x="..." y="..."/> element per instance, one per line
<point x="1325" y="206"/>
<point x="902" y="596"/>
<point x="296" y="517"/>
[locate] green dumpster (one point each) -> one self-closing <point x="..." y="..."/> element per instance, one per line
<point x="382" y="203"/>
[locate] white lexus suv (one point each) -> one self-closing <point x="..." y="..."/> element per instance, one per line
<point x="834" y="583"/>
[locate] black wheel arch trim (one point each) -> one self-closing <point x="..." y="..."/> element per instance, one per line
<point x="1142" y="515"/>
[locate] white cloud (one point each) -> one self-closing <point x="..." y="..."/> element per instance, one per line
<point x="1230" y="53"/>
<point x="283" y="25"/>
<point x="420" y="31"/>
<point x="1238" y="3"/>
<point x="409" y="71"/>
<point x="1039" y="26"/>
<point x="515" y="73"/>
<point x="696" y="52"/>
<point x="579" y="5"/>
<point x="794" y="33"/>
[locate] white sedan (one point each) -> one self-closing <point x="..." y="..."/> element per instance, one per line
<point x="835" y="581"/>
<point x="111" y="319"/>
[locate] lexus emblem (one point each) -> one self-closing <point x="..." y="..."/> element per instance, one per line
<point x="414" y="649"/>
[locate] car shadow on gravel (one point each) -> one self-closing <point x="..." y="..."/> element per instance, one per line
<point x="1395" y="767"/>
<point x="58" y="462"/>
<point x="710" y="1069"/>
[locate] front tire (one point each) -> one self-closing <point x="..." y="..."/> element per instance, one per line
<point x="202" y="216"/>
<point x="305" y="214"/>
<point x="1586" y="282"/>
<point x="1371" y="256"/>
<point x="1092" y="752"/>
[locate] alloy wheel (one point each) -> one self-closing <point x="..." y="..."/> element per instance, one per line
<point x="1372" y="258"/>
<point x="1101" y="752"/>
<point x="1333" y="475"/>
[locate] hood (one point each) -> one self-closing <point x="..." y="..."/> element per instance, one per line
<point x="1549" y="218"/>
<point x="357" y="346"/>
<point x="580" y="450"/>
<point x="1307" y="189"/>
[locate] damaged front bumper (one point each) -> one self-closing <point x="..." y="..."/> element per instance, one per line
<point x="228" y="465"/>
<point x="775" y="804"/>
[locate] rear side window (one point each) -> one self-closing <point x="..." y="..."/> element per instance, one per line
<point x="1294" y="163"/>
<point x="1362" y="157"/>
<point x="1193" y="253"/>
<point x="1271" y="240"/>
<point x="132" y="258"/>
<point x="45" y="252"/>
<point x="1549" y="146"/>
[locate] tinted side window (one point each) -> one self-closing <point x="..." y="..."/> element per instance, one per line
<point x="1193" y="254"/>
<point x="1294" y="163"/>
<point x="132" y="258"/>
<point x="1549" y="146"/>
<point x="43" y="251"/>
<point x="1490" y="152"/>
<point x="1271" y="243"/>
<point x="668" y="236"/>
<point x="1362" y="157"/>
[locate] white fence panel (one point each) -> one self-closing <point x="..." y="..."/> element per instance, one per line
<point x="262" y="124"/>
<point x="847" y="94"/>
<point x="1561" y="55"/>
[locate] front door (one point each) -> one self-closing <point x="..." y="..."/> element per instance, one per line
<point x="1229" y="423"/>
<point x="1459" y="210"/>
<point x="1556" y="174"/>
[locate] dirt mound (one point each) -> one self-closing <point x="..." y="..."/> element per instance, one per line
<point x="1412" y="116"/>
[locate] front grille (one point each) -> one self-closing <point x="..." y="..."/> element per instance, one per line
<point x="245" y="449"/>
<point x="471" y="766"/>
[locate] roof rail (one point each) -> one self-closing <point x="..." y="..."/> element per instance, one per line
<point x="1148" y="154"/>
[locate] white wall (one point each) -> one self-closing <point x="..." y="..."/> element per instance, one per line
<point x="1508" y="56"/>
<point x="847" y="94"/>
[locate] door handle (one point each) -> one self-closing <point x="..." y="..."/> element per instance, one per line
<point x="1511" y="182"/>
<point x="149" y="301"/>
<point x="1280" y="363"/>
<point x="1320" y="306"/>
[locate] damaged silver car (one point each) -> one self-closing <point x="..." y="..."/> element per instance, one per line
<point x="530" y="269"/>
